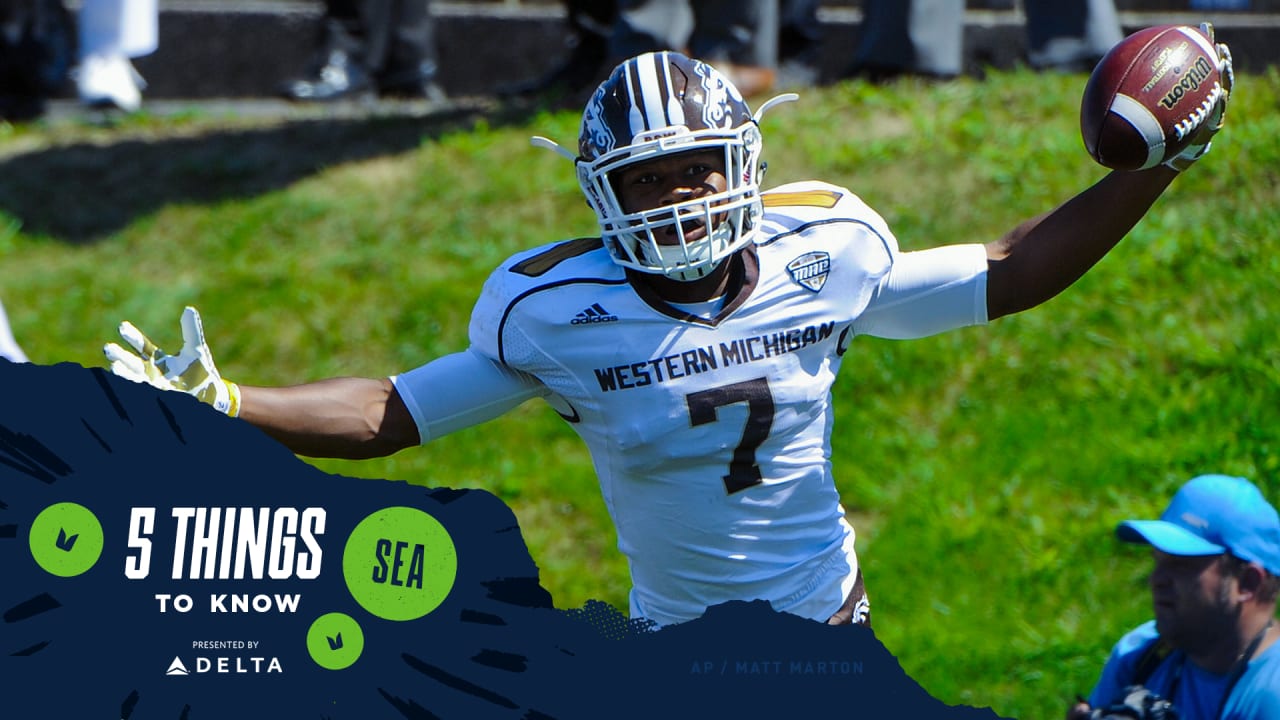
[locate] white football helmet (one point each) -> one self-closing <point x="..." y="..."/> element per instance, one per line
<point x="659" y="104"/>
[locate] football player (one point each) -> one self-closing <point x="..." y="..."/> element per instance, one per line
<point x="692" y="345"/>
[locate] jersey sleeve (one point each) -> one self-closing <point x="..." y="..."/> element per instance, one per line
<point x="927" y="292"/>
<point x="488" y="316"/>
<point x="910" y="294"/>
<point x="478" y="384"/>
<point x="460" y="390"/>
<point x="474" y="386"/>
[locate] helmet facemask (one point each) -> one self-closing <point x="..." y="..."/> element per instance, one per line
<point x="656" y="240"/>
<point x="653" y="106"/>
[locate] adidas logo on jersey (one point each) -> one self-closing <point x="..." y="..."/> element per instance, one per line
<point x="592" y="315"/>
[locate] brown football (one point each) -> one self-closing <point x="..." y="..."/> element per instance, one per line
<point x="1148" y="95"/>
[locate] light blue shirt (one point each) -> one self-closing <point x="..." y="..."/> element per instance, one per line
<point x="1199" y="693"/>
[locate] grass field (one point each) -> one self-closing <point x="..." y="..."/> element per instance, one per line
<point x="984" y="469"/>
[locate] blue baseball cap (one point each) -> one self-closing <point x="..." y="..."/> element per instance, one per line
<point x="1211" y="515"/>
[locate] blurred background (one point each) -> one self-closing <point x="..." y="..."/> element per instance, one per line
<point x="248" y="48"/>
<point x="984" y="469"/>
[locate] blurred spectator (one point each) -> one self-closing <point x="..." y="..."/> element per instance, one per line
<point x="1070" y="35"/>
<point x="37" y="49"/>
<point x="8" y="346"/>
<point x="799" y="43"/>
<point x="112" y="32"/>
<point x="925" y="37"/>
<point x="590" y="25"/>
<point x="368" y="48"/>
<point x="1212" y="649"/>
<point x="759" y="44"/>
<point x="739" y="37"/>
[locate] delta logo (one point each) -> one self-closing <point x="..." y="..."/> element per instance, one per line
<point x="225" y="666"/>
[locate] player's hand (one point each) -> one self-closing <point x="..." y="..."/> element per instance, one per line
<point x="190" y="371"/>
<point x="1212" y="122"/>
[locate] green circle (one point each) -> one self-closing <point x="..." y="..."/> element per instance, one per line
<point x="335" y="641"/>
<point x="66" y="539"/>
<point x="399" y="563"/>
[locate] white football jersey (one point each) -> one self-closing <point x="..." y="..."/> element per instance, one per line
<point x="711" y="436"/>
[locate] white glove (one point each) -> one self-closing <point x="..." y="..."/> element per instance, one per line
<point x="1212" y="122"/>
<point x="191" y="371"/>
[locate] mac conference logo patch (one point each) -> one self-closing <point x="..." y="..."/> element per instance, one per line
<point x="811" y="269"/>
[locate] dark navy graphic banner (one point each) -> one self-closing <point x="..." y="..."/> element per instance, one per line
<point x="160" y="560"/>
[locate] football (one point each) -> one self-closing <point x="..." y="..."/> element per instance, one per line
<point x="1147" y="96"/>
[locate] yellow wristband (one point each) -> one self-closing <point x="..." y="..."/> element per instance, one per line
<point x="233" y="390"/>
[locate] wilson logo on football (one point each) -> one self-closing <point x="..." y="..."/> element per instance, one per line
<point x="810" y="270"/>
<point x="1196" y="75"/>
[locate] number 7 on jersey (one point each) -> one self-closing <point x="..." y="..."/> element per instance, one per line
<point x="743" y="469"/>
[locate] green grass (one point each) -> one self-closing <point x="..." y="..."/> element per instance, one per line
<point x="984" y="468"/>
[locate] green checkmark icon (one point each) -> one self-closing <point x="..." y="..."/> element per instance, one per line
<point x="66" y="539"/>
<point x="335" y="641"/>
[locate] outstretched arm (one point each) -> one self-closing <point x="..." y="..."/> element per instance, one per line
<point x="360" y="418"/>
<point x="348" y="417"/>
<point x="341" y="417"/>
<point x="345" y="417"/>
<point x="1043" y="256"/>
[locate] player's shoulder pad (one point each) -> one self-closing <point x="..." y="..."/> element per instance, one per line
<point x="797" y="205"/>
<point x="539" y="261"/>
<point x="805" y="194"/>
<point x="547" y="265"/>
<point x="810" y="200"/>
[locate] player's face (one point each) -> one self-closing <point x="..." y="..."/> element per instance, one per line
<point x="1191" y="600"/>
<point x="669" y="180"/>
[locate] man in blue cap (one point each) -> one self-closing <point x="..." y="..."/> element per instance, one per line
<point x="1211" y="651"/>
